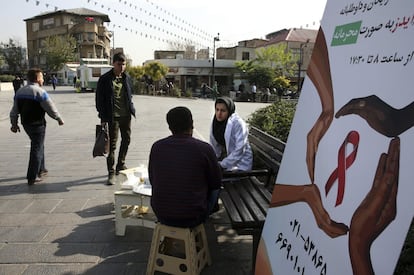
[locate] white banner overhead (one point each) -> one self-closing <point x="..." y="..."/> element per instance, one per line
<point x="342" y="202"/>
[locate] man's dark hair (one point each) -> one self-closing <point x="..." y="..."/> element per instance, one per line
<point x="180" y="120"/>
<point x="119" y="57"/>
<point x="32" y="74"/>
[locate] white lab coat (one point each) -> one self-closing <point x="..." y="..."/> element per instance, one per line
<point x="239" y="153"/>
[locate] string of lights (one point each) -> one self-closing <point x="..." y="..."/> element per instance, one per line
<point x="148" y="20"/>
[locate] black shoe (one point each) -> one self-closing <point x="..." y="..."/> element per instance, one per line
<point x="120" y="168"/>
<point x="31" y="182"/>
<point x="111" y="180"/>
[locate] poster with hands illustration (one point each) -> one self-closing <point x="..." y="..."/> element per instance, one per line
<point x="342" y="202"/>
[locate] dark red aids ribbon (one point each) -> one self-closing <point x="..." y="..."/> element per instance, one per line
<point x="343" y="164"/>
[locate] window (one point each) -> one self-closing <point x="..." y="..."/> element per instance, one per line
<point x="35" y="26"/>
<point x="91" y="36"/>
<point x="48" y="21"/>
<point x="245" y="56"/>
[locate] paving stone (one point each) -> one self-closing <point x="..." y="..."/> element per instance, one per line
<point x="53" y="269"/>
<point x="12" y="269"/>
<point x="23" y="234"/>
<point x="51" y="253"/>
<point x="14" y="205"/>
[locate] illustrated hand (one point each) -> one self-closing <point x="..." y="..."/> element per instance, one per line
<point x="379" y="115"/>
<point x="314" y="137"/>
<point x="284" y="194"/>
<point x="376" y="211"/>
<point x="15" y="129"/>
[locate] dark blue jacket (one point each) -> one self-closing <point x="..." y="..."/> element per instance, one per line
<point x="104" y="97"/>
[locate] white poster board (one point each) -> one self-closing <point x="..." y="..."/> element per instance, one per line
<point x="367" y="56"/>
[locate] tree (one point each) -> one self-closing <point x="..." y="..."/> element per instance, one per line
<point x="137" y="75"/>
<point x="59" y="50"/>
<point x="271" y="62"/>
<point x="281" y="84"/>
<point x="279" y="58"/>
<point x="13" y="56"/>
<point x="155" y="71"/>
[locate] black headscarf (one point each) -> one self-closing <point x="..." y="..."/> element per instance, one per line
<point x="219" y="127"/>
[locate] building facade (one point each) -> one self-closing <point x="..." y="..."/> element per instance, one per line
<point x="93" y="40"/>
<point x="191" y="74"/>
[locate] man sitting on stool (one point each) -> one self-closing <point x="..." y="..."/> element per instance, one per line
<point x="184" y="174"/>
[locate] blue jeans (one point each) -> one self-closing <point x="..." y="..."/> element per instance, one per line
<point x="36" y="134"/>
<point x="213" y="199"/>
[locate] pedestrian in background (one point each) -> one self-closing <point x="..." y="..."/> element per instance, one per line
<point x="31" y="102"/>
<point x="254" y="90"/>
<point x="115" y="107"/>
<point x="54" y="82"/>
<point x="17" y="83"/>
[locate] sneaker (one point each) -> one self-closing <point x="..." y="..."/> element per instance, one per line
<point x="31" y="182"/>
<point x="43" y="173"/>
<point x="111" y="180"/>
<point x="119" y="168"/>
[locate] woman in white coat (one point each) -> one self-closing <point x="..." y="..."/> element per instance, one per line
<point x="229" y="137"/>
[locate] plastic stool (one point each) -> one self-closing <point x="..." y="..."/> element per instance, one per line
<point x="177" y="250"/>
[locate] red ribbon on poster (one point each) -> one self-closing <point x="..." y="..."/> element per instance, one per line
<point x="343" y="164"/>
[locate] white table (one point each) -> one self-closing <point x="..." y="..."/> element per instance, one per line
<point x="131" y="208"/>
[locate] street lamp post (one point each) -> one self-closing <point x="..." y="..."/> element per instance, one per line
<point x="113" y="45"/>
<point x="300" y="61"/>
<point x="216" y="38"/>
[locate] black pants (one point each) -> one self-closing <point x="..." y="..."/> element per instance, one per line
<point x="36" y="134"/>
<point x="123" y="125"/>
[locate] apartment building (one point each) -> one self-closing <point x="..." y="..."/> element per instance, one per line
<point x="93" y="40"/>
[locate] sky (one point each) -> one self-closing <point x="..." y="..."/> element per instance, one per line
<point x="143" y="26"/>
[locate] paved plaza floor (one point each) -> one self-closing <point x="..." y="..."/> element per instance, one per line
<point x="65" y="224"/>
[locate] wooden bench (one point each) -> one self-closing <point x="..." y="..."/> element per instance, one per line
<point x="246" y="195"/>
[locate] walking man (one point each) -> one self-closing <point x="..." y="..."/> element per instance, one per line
<point x="31" y="102"/>
<point x="115" y="107"/>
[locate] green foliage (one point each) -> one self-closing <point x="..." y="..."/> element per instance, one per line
<point x="275" y="119"/>
<point x="271" y="63"/>
<point x="59" y="50"/>
<point x="177" y="91"/>
<point x="12" y="55"/>
<point x="281" y="83"/>
<point x="155" y="70"/>
<point x="277" y="57"/>
<point x="6" y="78"/>
<point x="136" y="73"/>
<point x="188" y="93"/>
